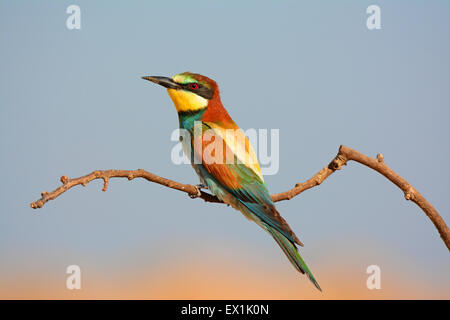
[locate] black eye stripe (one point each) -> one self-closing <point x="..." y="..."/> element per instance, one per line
<point x="201" y="90"/>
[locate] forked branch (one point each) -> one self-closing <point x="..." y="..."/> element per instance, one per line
<point x="344" y="155"/>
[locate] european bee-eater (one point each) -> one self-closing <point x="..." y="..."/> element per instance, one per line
<point x="238" y="182"/>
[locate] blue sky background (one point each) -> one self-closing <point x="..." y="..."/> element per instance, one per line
<point x="72" y="101"/>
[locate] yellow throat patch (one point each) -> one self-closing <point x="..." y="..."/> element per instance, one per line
<point x="187" y="101"/>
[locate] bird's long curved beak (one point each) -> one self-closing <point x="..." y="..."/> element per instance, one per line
<point x="163" y="81"/>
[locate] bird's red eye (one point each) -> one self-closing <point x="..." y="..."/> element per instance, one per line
<point x="193" y="86"/>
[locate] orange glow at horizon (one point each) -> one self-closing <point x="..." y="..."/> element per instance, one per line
<point x="215" y="279"/>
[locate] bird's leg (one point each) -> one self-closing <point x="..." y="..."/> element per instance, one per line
<point x="201" y="186"/>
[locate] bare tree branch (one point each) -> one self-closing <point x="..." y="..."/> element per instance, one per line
<point x="67" y="184"/>
<point x="344" y="155"/>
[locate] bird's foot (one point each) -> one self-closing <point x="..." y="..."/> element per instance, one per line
<point x="199" y="188"/>
<point x="199" y="192"/>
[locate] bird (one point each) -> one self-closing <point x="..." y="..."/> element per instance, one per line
<point x="234" y="176"/>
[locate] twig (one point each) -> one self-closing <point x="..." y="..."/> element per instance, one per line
<point x="344" y="155"/>
<point x="67" y="184"/>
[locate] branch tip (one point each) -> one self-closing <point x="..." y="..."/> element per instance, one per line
<point x="380" y="157"/>
<point x="105" y="184"/>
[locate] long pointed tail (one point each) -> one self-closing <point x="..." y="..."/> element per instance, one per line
<point x="290" y="250"/>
